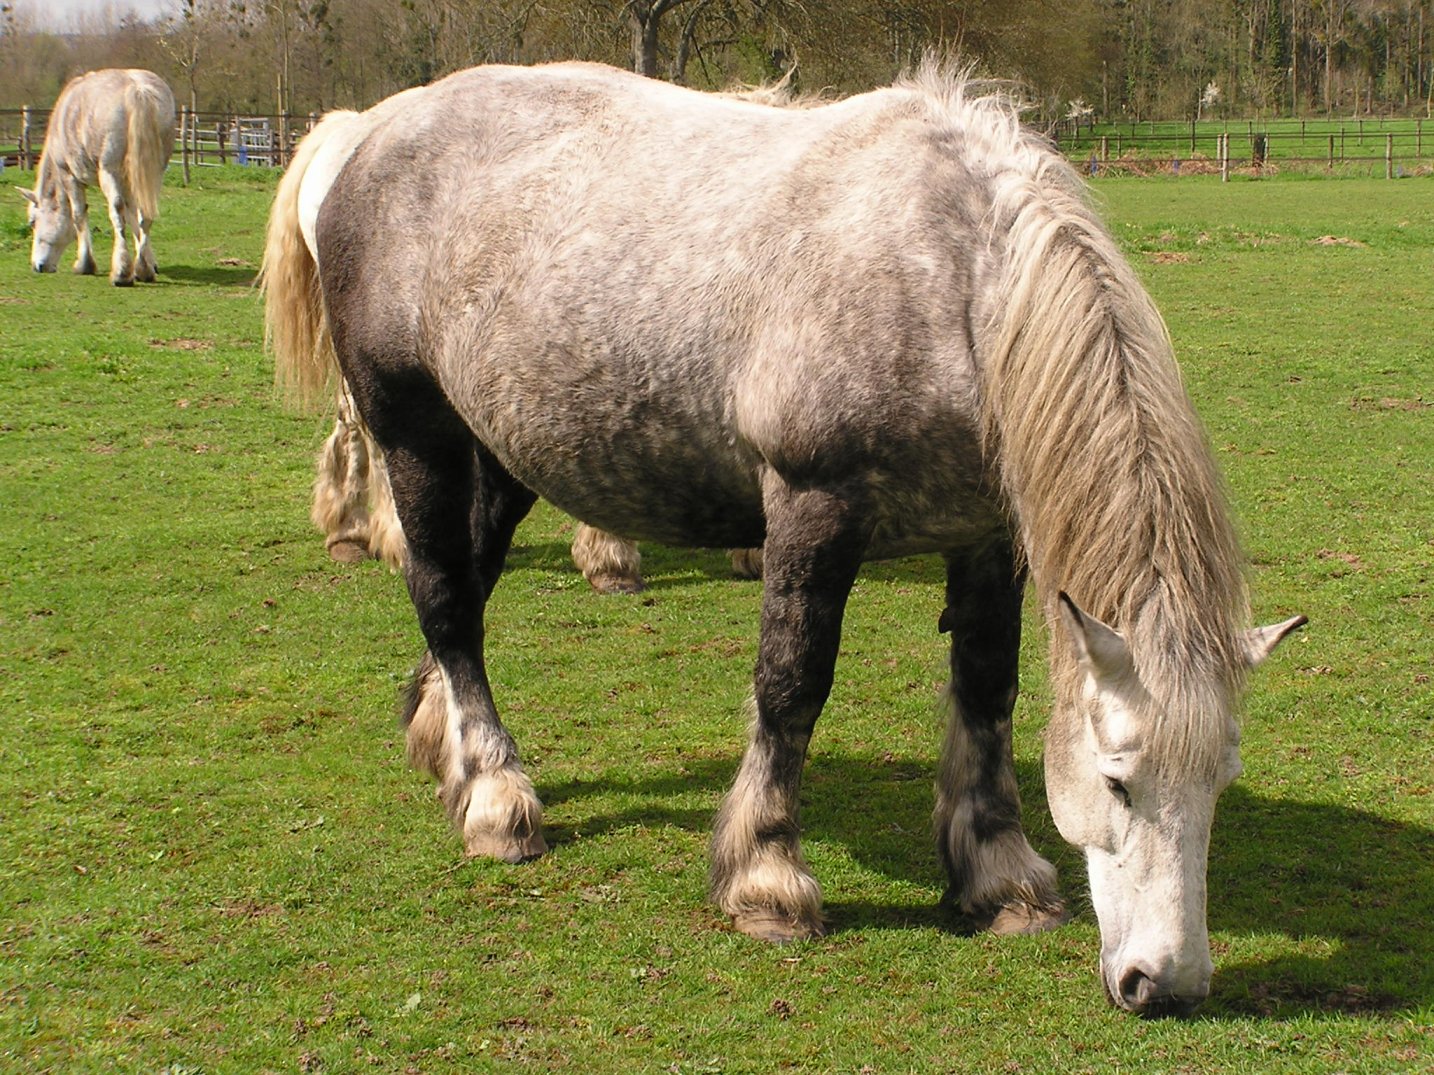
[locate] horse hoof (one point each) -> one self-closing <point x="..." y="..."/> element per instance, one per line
<point x="777" y="928"/>
<point x="348" y="552"/>
<point x="509" y="849"/>
<point x="86" y="268"/>
<point x="616" y="584"/>
<point x="746" y="563"/>
<point x="122" y="281"/>
<point x="1015" y="919"/>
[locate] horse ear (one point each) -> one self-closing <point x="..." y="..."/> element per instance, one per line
<point x="28" y="195"/>
<point x="1260" y="642"/>
<point x="1099" y="648"/>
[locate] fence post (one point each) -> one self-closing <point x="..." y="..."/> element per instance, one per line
<point x="1389" y="156"/>
<point x="1331" y="153"/>
<point x="185" y="123"/>
<point x="1224" y="152"/>
<point x="26" y="158"/>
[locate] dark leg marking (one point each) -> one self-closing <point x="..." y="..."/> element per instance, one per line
<point x="995" y="880"/>
<point x="815" y="543"/>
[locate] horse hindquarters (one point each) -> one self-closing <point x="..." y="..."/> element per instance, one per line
<point x="814" y="547"/>
<point x="995" y="880"/>
<point x="459" y="509"/>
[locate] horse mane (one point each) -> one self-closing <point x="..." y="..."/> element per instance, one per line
<point x="779" y="94"/>
<point x="1102" y="461"/>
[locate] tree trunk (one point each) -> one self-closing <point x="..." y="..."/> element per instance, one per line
<point x="646" y="21"/>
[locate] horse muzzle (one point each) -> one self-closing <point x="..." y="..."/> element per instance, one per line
<point x="1138" y="992"/>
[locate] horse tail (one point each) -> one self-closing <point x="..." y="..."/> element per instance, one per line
<point x="296" y="328"/>
<point x="149" y="142"/>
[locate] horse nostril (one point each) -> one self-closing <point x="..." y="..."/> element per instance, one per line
<point x="1137" y="989"/>
<point x="1140" y="993"/>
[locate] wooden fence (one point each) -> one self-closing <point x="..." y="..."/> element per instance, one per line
<point x="1389" y="146"/>
<point x="201" y="138"/>
<point x="1395" y="147"/>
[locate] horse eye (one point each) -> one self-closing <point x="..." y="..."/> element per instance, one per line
<point x="1118" y="789"/>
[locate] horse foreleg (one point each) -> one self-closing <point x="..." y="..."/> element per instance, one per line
<point x="996" y="881"/>
<point x="459" y="509"/>
<point x="80" y="214"/>
<point x="610" y="564"/>
<point x="815" y="542"/>
<point x="121" y="260"/>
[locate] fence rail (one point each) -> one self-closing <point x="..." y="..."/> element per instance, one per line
<point x="1398" y="147"/>
<point x="201" y="138"/>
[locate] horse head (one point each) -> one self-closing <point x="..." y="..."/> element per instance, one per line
<point x="1142" y="814"/>
<point x="52" y="227"/>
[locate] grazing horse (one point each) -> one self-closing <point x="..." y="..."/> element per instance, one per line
<point x="352" y="502"/>
<point x="879" y="326"/>
<point x="114" y="128"/>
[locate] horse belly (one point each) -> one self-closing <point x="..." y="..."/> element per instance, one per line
<point x="631" y="463"/>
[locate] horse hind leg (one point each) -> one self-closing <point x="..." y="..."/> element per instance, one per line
<point x="459" y="510"/>
<point x="610" y="564"/>
<point x="385" y="536"/>
<point x="145" y="268"/>
<point x="759" y="877"/>
<point x="121" y="260"/>
<point x="341" y="485"/>
<point x="996" y="881"/>
<point x="746" y="563"/>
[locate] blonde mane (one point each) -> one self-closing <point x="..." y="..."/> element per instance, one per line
<point x="1103" y="463"/>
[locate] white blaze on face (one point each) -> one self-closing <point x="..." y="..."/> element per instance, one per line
<point x="1143" y="822"/>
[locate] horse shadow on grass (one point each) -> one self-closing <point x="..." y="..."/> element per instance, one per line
<point x="1355" y="891"/>
<point x="665" y="567"/>
<point x="662" y="568"/>
<point x="210" y="275"/>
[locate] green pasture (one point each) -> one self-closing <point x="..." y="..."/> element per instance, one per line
<point x="214" y="859"/>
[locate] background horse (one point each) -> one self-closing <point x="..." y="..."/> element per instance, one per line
<point x="352" y="502"/>
<point x="876" y="327"/>
<point x="115" y="129"/>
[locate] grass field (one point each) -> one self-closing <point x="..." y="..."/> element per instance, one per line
<point x="213" y="858"/>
